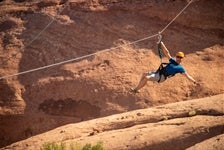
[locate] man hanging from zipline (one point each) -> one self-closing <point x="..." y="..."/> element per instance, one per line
<point x="173" y="67"/>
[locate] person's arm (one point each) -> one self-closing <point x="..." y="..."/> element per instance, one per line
<point x="165" y="50"/>
<point x="189" y="77"/>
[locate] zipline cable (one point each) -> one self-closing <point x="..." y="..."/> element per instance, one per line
<point x="89" y="55"/>
<point x="176" y="17"/>
<point x="75" y="59"/>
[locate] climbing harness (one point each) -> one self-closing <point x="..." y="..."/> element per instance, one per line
<point x="161" y="70"/>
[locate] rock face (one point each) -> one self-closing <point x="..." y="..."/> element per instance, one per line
<point x="170" y="126"/>
<point x="41" y="33"/>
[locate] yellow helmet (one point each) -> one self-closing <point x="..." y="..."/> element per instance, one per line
<point x="180" y="54"/>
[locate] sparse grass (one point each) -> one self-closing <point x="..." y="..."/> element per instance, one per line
<point x="98" y="146"/>
<point x="53" y="146"/>
<point x="62" y="146"/>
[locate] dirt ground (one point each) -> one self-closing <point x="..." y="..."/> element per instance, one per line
<point x="113" y="34"/>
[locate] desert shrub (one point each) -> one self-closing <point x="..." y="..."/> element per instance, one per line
<point x="53" y="146"/>
<point x="62" y="146"/>
<point x="98" y="146"/>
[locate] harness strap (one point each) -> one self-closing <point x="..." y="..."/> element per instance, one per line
<point x="159" y="47"/>
<point x="161" y="70"/>
<point x="160" y="52"/>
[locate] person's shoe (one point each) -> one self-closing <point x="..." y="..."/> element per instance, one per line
<point x="133" y="90"/>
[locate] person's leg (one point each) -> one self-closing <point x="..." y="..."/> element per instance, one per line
<point x="142" y="82"/>
<point x="148" y="76"/>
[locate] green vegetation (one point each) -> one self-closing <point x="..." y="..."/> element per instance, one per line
<point x="62" y="146"/>
<point x="192" y="113"/>
<point x="53" y="146"/>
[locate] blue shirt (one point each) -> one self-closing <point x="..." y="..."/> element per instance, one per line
<point x="173" y="67"/>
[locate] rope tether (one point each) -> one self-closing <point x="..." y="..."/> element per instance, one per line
<point x="85" y="56"/>
<point x="159" y="46"/>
